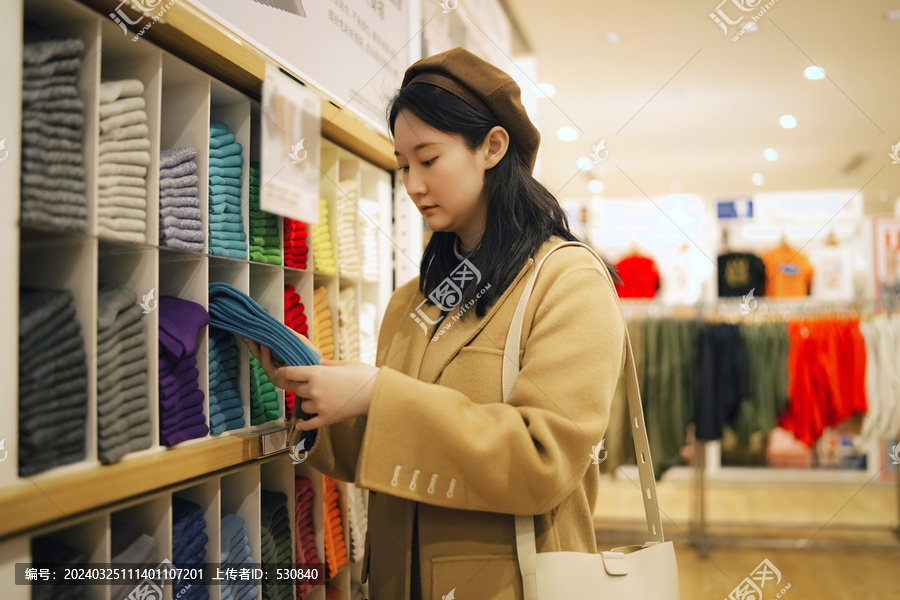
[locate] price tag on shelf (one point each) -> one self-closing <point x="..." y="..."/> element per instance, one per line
<point x="289" y="156"/>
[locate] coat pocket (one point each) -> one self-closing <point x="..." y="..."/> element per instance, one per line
<point x="476" y="372"/>
<point x="487" y="577"/>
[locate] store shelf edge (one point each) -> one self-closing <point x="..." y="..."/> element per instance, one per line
<point x="39" y="501"/>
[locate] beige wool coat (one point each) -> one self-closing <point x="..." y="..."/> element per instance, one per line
<point x="448" y="463"/>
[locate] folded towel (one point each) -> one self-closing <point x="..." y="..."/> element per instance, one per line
<point x="232" y="149"/>
<point x="176" y="156"/>
<point x="225" y="189"/>
<point x="121" y="212"/>
<point x="122" y="106"/>
<point x="228" y="227"/>
<point x="176" y="201"/>
<point x="185" y="168"/>
<point x="217" y="129"/>
<point x="226" y="218"/>
<point x="136" y="131"/>
<point x="173" y="242"/>
<point x="229" y="235"/>
<point x="229" y="161"/>
<point x="217" y="141"/>
<point x="138" y="157"/>
<point x="120" y="169"/>
<point x="129" y="118"/>
<point x="224" y="208"/>
<point x="180" y="223"/>
<point x="110" y="91"/>
<point x="123" y="190"/>
<point x="56" y="67"/>
<point x="232" y="181"/>
<point x="182" y="212"/>
<point x="123" y="224"/>
<point x="112" y="181"/>
<point x="229" y="244"/>
<point x="166" y="183"/>
<point x="183" y="192"/>
<point x="216" y="251"/>
<point x="130" y="145"/>
<point x="181" y="233"/>
<point x="225" y="171"/>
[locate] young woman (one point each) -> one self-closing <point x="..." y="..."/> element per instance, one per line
<point x="448" y="463"/>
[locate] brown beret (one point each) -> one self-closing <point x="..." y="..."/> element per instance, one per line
<point x="483" y="86"/>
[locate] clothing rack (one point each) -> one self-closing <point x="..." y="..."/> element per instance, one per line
<point x="730" y="310"/>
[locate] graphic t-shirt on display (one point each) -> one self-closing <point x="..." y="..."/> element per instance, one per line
<point x="740" y="272"/>
<point x="789" y="272"/>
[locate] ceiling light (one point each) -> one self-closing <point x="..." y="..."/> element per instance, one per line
<point x="814" y="72"/>
<point x="770" y="154"/>
<point x="567" y="134"/>
<point x="585" y="163"/>
<point x="757" y="179"/>
<point x="788" y="121"/>
<point x="596" y="186"/>
<point x="543" y="90"/>
<point x="893" y="15"/>
<point x="612" y="38"/>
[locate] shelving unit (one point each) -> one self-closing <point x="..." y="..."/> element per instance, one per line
<point x="186" y="85"/>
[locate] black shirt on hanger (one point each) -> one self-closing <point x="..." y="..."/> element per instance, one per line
<point x="740" y="272"/>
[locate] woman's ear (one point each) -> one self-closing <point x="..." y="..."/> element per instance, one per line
<point x="494" y="148"/>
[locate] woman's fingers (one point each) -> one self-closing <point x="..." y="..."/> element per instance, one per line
<point x="306" y="341"/>
<point x="313" y="423"/>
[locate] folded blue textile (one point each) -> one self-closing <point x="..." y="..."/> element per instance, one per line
<point x="220" y="171"/>
<point x="226" y="415"/>
<point x="228" y="161"/>
<point x="227" y="244"/>
<point x="224" y="208"/>
<point x="229" y="235"/>
<point x="226" y="227"/>
<point x="226" y="218"/>
<point x="217" y="129"/>
<point x="217" y="141"/>
<point x="217" y="180"/>
<point x="215" y="251"/>
<point x="232" y="149"/>
<point x="234" y="190"/>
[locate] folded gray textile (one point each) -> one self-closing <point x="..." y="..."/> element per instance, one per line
<point x="179" y="201"/>
<point x="57" y="323"/>
<point x="72" y="172"/>
<point x="124" y="145"/>
<point x="63" y="211"/>
<point x="39" y="218"/>
<point x="67" y="391"/>
<point x="73" y="120"/>
<point x="172" y="242"/>
<point x="179" y="192"/>
<point x="52" y="156"/>
<point x="30" y="97"/>
<point x="166" y="222"/>
<point x="185" y="235"/>
<point x="122" y="106"/>
<point x="41" y="47"/>
<point x="121" y="393"/>
<point x="63" y="343"/>
<point x="118" y="313"/>
<point x="181" y="212"/>
<point x="129" y="362"/>
<point x="140" y="429"/>
<point x="59" y="80"/>
<point x="129" y="132"/>
<point x="107" y="169"/>
<point x="113" y="411"/>
<point x="134" y="329"/>
<point x="110" y="91"/>
<point x="46" y="195"/>
<point x="58" y="105"/>
<point x="61" y="183"/>
<point x="176" y="156"/>
<point x="185" y="168"/>
<point x="53" y="131"/>
<point x="140" y="411"/>
<point x="166" y="183"/>
<point x="132" y="444"/>
<point x="36" y="140"/>
<point x="56" y="457"/>
<point x="56" y="67"/>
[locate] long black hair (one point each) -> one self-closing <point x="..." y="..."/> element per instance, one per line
<point x="521" y="213"/>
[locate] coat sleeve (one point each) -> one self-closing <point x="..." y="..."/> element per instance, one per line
<point x="430" y="443"/>
<point x="335" y="452"/>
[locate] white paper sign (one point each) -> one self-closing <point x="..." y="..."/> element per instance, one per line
<point x="289" y="157"/>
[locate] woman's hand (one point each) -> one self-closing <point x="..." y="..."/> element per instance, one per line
<point x="334" y="391"/>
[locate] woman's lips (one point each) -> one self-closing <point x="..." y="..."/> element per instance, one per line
<point x="427" y="209"/>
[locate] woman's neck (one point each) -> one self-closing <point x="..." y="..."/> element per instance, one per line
<point x="461" y="250"/>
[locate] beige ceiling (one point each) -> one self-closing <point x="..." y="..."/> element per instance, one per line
<point x="683" y="108"/>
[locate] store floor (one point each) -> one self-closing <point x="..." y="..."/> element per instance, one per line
<point x="828" y="541"/>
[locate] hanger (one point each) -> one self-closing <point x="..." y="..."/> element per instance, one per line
<point x="784" y="240"/>
<point x="634" y="250"/>
<point x="725" y="248"/>
<point x="831" y="240"/>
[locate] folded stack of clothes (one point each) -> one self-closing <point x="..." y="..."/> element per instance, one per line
<point x="368" y="228"/>
<point x="263" y="395"/>
<point x="124" y="158"/>
<point x="50" y="552"/>
<point x="53" y="175"/>
<point x="236" y="555"/>
<point x="348" y="332"/>
<point x="357" y="520"/>
<point x="226" y="224"/>
<point x="226" y="409"/>
<point x="180" y="397"/>
<point x="323" y="251"/>
<point x="275" y="526"/>
<point x="307" y="553"/>
<point x="133" y="550"/>
<point x="368" y="333"/>
<point x="348" y="249"/>
<point x="323" y="333"/>
<point x="189" y="539"/>
<point x="123" y="403"/>
<point x="179" y="200"/>
<point x="335" y="548"/>
<point x="295" y="246"/>
<point x="264" y="246"/>
<point x="53" y="382"/>
<point x="294" y="318"/>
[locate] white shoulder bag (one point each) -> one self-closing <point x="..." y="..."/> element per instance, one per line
<point x="646" y="572"/>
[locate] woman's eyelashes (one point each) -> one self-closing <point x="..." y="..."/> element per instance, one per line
<point x="426" y="163"/>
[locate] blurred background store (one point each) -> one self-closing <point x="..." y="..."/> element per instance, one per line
<point x="739" y="162"/>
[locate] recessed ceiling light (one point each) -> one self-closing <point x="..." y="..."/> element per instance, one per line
<point x="612" y="38"/>
<point x="770" y="154"/>
<point x="757" y="179"/>
<point x="893" y="15"/>
<point x="543" y="90"/>
<point x="814" y="72"/>
<point x="567" y="134"/>
<point x="585" y="163"/>
<point x="596" y="186"/>
<point x="788" y="121"/>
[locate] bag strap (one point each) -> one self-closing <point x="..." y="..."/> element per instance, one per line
<point x="525" y="538"/>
